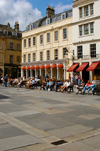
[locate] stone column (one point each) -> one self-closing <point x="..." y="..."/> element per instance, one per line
<point x="40" y="72"/>
<point x="57" y="72"/>
<point x="80" y="65"/>
<point x="45" y="71"/>
<point x="90" y="72"/>
<point x="64" y="70"/>
<point x="35" y="73"/>
<point x="26" y="74"/>
<point x="30" y="73"/>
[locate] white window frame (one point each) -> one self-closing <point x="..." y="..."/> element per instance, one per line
<point x="14" y="34"/>
<point x="64" y="14"/>
<point x="85" y="11"/>
<point x="47" y="21"/>
<point x="85" y="29"/>
<point x="81" y="12"/>
<point x="92" y="10"/>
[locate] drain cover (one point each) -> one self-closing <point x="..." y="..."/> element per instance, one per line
<point x="59" y="142"/>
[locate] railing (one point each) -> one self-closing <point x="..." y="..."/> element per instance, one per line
<point x="87" y="56"/>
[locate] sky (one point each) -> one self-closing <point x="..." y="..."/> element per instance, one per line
<point x="28" y="11"/>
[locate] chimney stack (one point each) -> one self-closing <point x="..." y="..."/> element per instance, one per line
<point x="8" y="25"/>
<point x="50" y="11"/>
<point x="16" y="26"/>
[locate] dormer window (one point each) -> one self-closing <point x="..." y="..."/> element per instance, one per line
<point x="14" y="33"/>
<point x="63" y="16"/>
<point x="47" y="21"/>
<point x="5" y="32"/>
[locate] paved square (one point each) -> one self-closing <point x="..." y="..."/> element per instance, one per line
<point x="30" y="120"/>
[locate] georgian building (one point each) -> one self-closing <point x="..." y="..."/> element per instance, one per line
<point x="10" y="50"/>
<point x="86" y="38"/>
<point x="47" y="46"/>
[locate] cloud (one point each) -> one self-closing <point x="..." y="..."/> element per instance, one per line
<point x="19" y="10"/>
<point x="61" y="8"/>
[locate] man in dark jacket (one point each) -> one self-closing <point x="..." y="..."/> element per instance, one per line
<point x="5" y="80"/>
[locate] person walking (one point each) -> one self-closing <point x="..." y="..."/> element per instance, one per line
<point x="5" y="80"/>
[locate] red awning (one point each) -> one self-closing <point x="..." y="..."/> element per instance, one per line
<point x="60" y="65"/>
<point x="82" y="66"/>
<point x="72" y="67"/>
<point x="53" y="66"/>
<point x="28" y="67"/>
<point x="23" y="68"/>
<point x="32" y="67"/>
<point x="92" y="66"/>
<point x="37" y="67"/>
<point x="48" y="66"/>
<point x="42" y="67"/>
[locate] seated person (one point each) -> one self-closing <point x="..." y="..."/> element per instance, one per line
<point x="62" y="87"/>
<point x="15" y="82"/>
<point x="47" y="86"/>
<point x="86" y="87"/>
<point x="80" y="87"/>
<point x="50" y="84"/>
<point x="58" y="85"/>
<point x="43" y="84"/>
<point x="92" y="86"/>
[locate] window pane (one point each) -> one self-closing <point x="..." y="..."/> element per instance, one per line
<point x="86" y="29"/>
<point x="41" y="56"/>
<point x="24" y="58"/>
<point x="56" y="54"/>
<point x="34" y="41"/>
<point x="86" y="11"/>
<point x="79" y="52"/>
<point x="29" y="42"/>
<point x="81" y="12"/>
<point x="48" y="55"/>
<point x="34" y="57"/>
<point x="93" y="50"/>
<point x="56" y="35"/>
<point x="91" y="9"/>
<point x="28" y="57"/>
<point x="80" y="30"/>
<point x="11" y="46"/>
<point x="24" y="42"/>
<point x="64" y="33"/>
<point x="41" y="39"/>
<point x="92" y="28"/>
<point x="18" y="59"/>
<point x="18" y="46"/>
<point x="11" y="58"/>
<point x="48" y="37"/>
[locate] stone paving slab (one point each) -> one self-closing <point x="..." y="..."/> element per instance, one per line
<point x="89" y="116"/>
<point x="93" y="142"/>
<point x="18" y="141"/>
<point x="23" y="113"/>
<point x="77" y="147"/>
<point x="68" y="131"/>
